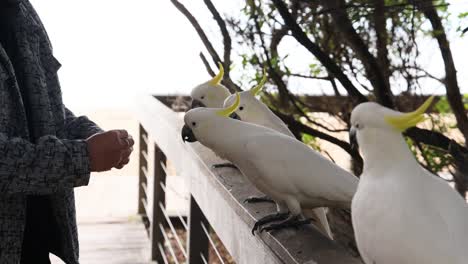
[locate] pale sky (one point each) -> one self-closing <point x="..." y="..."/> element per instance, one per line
<point x="113" y="49"/>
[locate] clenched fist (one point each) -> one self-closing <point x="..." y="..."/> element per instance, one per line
<point x="109" y="150"/>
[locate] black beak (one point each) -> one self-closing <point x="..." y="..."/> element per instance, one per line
<point x="352" y="139"/>
<point x="235" y="116"/>
<point x="187" y="135"/>
<point x="196" y="104"/>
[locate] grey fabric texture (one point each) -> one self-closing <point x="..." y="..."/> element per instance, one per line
<point x="42" y="146"/>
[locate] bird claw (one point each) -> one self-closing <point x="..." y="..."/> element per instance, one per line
<point x="255" y="227"/>
<point x="254" y="199"/>
<point x="224" y="165"/>
<point x="294" y="222"/>
<point x="267" y="219"/>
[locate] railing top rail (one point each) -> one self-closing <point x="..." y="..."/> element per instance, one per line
<point x="220" y="194"/>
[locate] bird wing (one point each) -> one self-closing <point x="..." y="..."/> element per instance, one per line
<point x="288" y="166"/>
<point x="453" y="210"/>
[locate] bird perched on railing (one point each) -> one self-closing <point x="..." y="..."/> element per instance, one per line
<point x="285" y="169"/>
<point x="402" y="213"/>
<point x="211" y="93"/>
<point x="254" y="111"/>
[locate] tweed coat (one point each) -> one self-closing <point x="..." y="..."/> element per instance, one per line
<point x="42" y="146"/>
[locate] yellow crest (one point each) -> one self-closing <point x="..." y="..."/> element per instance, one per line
<point x="407" y="120"/>
<point x="217" y="79"/>
<point x="226" y="112"/>
<point x="257" y="89"/>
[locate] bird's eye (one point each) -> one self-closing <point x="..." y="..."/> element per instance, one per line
<point x="357" y="126"/>
<point x="203" y="97"/>
<point x="194" y="124"/>
<point x="241" y="108"/>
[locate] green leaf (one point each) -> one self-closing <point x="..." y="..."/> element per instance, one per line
<point x="442" y="106"/>
<point x="463" y="15"/>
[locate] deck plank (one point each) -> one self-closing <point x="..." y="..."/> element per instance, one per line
<point x="118" y="242"/>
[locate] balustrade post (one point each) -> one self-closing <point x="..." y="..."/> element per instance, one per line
<point x="159" y="199"/>
<point x="197" y="246"/>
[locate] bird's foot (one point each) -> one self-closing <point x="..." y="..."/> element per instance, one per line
<point x="261" y="199"/>
<point x="224" y="165"/>
<point x="267" y="219"/>
<point x="292" y="221"/>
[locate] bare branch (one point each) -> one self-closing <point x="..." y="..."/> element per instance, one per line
<point x="396" y="7"/>
<point x="326" y="61"/>
<point x="207" y="65"/>
<point x="298" y="126"/>
<point x="380" y="23"/>
<point x="373" y="71"/>
<point x="211" y="50"/>
<point x="334" y="86"/>
<point x="198" y="28"/>
<point x="326" y="78"/>
<point x="454" y="96"/>
<point x="273" y="72"/>
<point x="417" y="68"/>
<point x="329" y="156"/>
<point x="439" y="140"/>
<point x="226" y="37"/>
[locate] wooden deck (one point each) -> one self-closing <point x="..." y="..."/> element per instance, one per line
<point x="120" y="241"/>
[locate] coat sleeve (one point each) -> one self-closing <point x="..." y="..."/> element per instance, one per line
<point x="79" y="127"/>
<point x="46" y="167"/>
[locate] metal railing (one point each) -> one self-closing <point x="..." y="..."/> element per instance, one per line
<point x="215" y="205"/>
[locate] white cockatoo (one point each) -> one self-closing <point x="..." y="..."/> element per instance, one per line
<point x="285" y="169"/>
<point x="254" y="111"/>
<point x="211" y="93"/>
<point x="402" y="213"/>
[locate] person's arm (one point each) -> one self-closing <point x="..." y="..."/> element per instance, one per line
<point x="42" y="168"/>
<point x="53" y="164"/>
<point x="79" y="127"/>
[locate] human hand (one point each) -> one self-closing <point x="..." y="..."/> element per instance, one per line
<point x="109" y="149"/>
<point x="126" y="154"/>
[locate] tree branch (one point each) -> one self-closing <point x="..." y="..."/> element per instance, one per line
<point x="226" y="37"/>
<point x="326" y="61"/>
<point x="207" y="65"/>
<point x="198" y="28"/>
<point x="416" y="68"/>
<point x="440" y="141"/>
<point x="295" y="125"/>
<point x="373" y="70"/>
<point x="334" y="86"/>
<point x="454" y="96"/>
<point x="380" y="21"/>
<point x="396" y="7"/>
<point x="325" y="78"/>
<point x="273" y="71"/>
<point x="211" y="50"/>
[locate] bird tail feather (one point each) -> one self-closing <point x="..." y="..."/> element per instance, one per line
<point x="320" y="214"/>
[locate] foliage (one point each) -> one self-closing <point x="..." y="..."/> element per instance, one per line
<point x="443" y="107"/>
<point x="357" y="50"/>
<point x="311" y="141"/>
<point x="260" y="34"/>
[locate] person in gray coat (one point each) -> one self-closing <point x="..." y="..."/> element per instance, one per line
<point x="45" y="151"/>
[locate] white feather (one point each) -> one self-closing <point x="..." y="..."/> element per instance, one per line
<point x="254" y="111"/>
<point x="402" y="213"/>
<point x="282" y="167"/>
